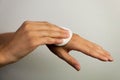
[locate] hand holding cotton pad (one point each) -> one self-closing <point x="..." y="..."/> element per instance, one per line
<point x="65" y="41"/>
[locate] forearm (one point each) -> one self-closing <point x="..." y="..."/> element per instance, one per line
<point x="3" y="59"/>
<point x="4" y="38"/>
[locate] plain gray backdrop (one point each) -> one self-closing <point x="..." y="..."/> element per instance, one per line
<point x="95" y="20"/>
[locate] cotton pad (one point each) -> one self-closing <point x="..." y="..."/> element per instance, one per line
<point x="65" y="41"/>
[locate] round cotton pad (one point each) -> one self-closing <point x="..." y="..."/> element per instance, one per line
<point x="65" y="41"/>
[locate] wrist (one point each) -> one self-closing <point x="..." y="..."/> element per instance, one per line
<point x="3" y="59"/>
<point x="6" y="57"/>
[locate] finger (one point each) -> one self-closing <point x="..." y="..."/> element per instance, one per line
<point x="99" y="53"/>
<point x="94" y="50"/>
<point x="49" y="33"/>
<point x="49" y="40"/>
<point x="103" y="52"/>
<point x="38" y="25"/>
<point x="69" y="59"/>
<point x="50" y="25"/>
<point x="93" y="53"/>
<point x="110" y="57"/>
<point x="98" y="49"/>
<point x="53" y="34"/>
<point x="99" y="56"/>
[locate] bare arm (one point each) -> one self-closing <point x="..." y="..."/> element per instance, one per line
<point x="4" y="38"/>
<point x="16" y="45"/>
<point x="31" y="34"/>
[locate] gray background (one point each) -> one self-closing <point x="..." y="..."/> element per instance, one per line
<point x="95" y="20"/>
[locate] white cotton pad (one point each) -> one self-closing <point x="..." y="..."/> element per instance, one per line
<point x="65" y="41"/>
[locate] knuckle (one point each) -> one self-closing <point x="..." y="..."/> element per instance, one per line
<point x="50" y="33"/>
<point x="91" y="52"/>
<point x="27" y="25"/>
<point x="26" y="22"/>
<point x="50" y="41"/>
<point x="88" y="51"/>
<point x="76" y="35"/>
<point x="69" y="59"/>
<point x="96" y="55"/>
<point x="45" y="22"/>
<point x="28" y="35"/>
<point x="99" y="47"/>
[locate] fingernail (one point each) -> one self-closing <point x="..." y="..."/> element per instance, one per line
<point x="111" y="59"/>
<point x="60" y="40"/>
<point x="106" y="59"/>
<point x="77" y="67"/>
<point x="67" y="34"/>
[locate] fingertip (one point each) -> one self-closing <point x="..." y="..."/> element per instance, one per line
<point x="111" y="59"/>
<point x="67" y="39"/>
<point x="59" y="41"/>
<point x="105" y="59"/>
<point x="77" y="67"/>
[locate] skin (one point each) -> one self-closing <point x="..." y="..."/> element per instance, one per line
<point x="27" y="38"/>
<point x="31" y="34"/>
<point x="80" y="44"/>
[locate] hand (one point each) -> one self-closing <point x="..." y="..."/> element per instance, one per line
<point x="80" y="44"/>
<point x="28" y="37"/>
